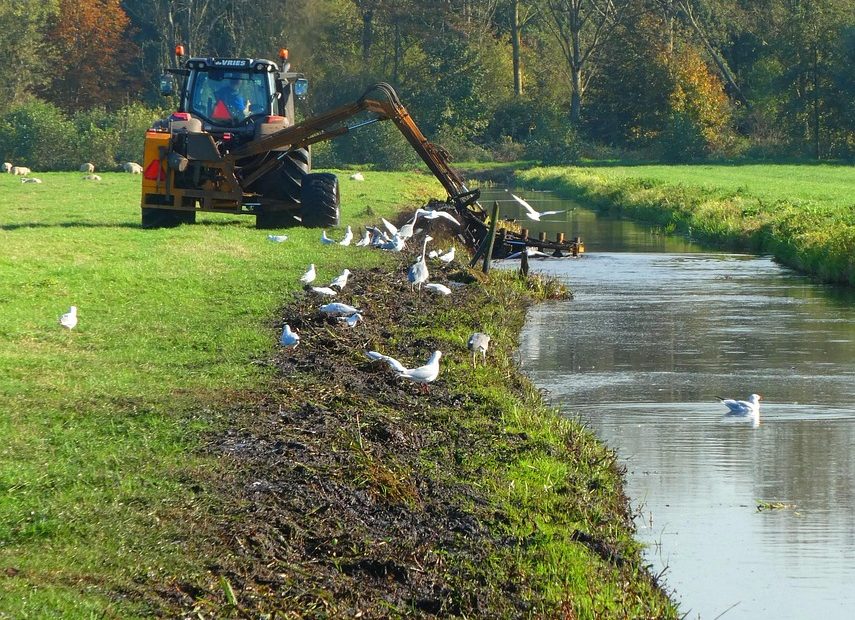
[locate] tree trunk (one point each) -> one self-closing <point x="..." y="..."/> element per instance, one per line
<point x="515" y="43"/>
<point x="816" y="149"/>
<point x="367" y="34"/>
<point x="576" y="96"/>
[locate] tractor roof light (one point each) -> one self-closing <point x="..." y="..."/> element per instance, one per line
<point x="179" y="51"/>
<point x="283" y="54"/>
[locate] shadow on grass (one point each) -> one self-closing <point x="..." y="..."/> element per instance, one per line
<point x="137" y="225"/>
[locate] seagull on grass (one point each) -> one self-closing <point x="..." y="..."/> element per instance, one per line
<point x="310" y="275"/>
<point x="341" y="280"/>
<point x="348" y="237"/>
<point x="418" y="273"/>
<point x="277" y="238"/>
<point x="478" y="343"/>
<point x="423" y="374"/>
<point x="366" y="239"/>
<point x="530" y="211"/>
<point x="326" y="240"/>
<point x="288" y="337"/>
<point x="338" y="309"/>
<point x="324" y="290"/>
<point x="69" y="319"/>
<point x="352" y="321"/>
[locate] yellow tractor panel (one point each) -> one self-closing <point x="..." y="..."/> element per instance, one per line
<point x="154" y="169"/>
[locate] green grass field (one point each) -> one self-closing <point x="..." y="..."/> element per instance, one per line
<point x="97" y="422"/>
<point x="804" y="215"/>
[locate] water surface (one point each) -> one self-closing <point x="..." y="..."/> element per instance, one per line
<point x="660" y="327"/>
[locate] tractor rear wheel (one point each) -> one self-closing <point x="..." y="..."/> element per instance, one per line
<point x="284" y="182"/>
<point x="320" y="200"/>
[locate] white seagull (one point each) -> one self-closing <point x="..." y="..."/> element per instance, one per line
<point x="418" y="273"/>
<point x="324" y="290"/>
<point x="348" y="237"/>
<point x="742" y="407"/>
<point x="357" y="176"/>
<point x="341" y="280"/>
<point x="393" y="363"/>
<point x="448" y="256"/>
<point x="439" y="289"/>
<point x="326" y="240"/>
<point x="69" y="319"/>
<point x="338" y="309"/>
<point x="478" y="343"/>
<point x="288" y="337"/>
<point x="277" y="238"/>
<point x="366" y="239"/>
<point x="530" y="211"/>
<point x="395" y="244"/>
<point x="433" y="214"/>
<point x="423" y="374"/>
<point x="310" y="275"/>
<point x="351" y="320"/>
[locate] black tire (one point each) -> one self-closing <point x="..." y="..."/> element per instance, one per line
<point x="284" y="183"/>
<point x="166" y="218"/>
<point x="320" y="200"/>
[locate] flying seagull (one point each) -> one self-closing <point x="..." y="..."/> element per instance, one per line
<point x="69" y="319"/>
<point x="288" y="337"/>
<point x="433" y="214"/>
<point x="478" y="343"/>
<point x="530" y="211"/>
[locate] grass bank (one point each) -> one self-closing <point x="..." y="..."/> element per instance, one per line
<point x="803" y="215"/>
<point x="164" y="456"/>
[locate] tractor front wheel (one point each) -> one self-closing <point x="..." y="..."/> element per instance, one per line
<point x="319" y="200"/>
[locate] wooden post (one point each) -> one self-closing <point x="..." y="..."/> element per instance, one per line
<point x="542" y="236"/>
<point x="559" y="238"/>
<point x="524" y="233"/>
<point x="524" y="262"/>
<point x="491" y="236"/>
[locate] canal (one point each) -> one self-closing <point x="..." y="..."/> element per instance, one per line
<point x="743" y="521"/>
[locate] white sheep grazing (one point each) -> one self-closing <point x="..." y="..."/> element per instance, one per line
<point x="30" y="180"/>
<point x="132" y="167"/>
<point x="88" y="167"/>
<point x="7" y="167"/>
<point x="20" y="171"/>
<point x="91" y="177"/>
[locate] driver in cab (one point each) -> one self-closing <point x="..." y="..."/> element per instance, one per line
<point x="230" y="102"/>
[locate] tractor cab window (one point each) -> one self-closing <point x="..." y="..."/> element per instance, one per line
<point x="230" y="97"/>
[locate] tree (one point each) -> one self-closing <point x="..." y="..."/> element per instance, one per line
<point x="25" y="55"/>
<point x="90" y="42"/>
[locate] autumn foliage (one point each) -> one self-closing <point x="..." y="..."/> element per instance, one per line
<point x="93" y="52"/>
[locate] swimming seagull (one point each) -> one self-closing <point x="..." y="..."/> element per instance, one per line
<point x="439" y="289"/>
<point x="393" y="363"/>
<point x="530" y="211"/>
<point x="277" y="238"/>
<point x="341" y="280"/>
<point x="348" y="237"/>
<point x="424" y="374"/>
<point x="309" y="276"/>
<point x="288" y="337"/>
<point x="69" y="319"/>
<point x="742" y="407"/>
<point x="478" y="343"/>
<point x="418" y="272"/>
<point x="326" y="240"/>
<point x="338" y="309"/>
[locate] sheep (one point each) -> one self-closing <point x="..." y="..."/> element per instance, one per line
<point x="91" y="177"/>
<point x="7" y="167"/>
<point x="20" y="171"/>
<point x="30" y="180"/>
<point x="132" y="167"/>
<point x="88" y="167"/>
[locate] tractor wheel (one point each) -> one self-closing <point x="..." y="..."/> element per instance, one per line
<point x="320" y="200"/>
<point x="284" y="183"/>
<point x="166" y="218"/>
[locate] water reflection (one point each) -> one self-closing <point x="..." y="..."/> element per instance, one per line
<point x="658" y="329"/>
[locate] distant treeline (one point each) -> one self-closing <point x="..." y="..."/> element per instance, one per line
<point x="553" y="80"/>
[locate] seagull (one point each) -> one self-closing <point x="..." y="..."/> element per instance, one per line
<point x="357" y="176"/>
<point x="341" y="280"/>
<point x="439" y="289"/>
<point x="378" y="236"/>
<point x="448" y="256"/>
<point x="366" y="239"/>
<point x="530" y="211"/>
<point x="478" y="343"/>
<point x="418" y="272"/>
<point x="338" y="309"/>
<point x="395" y="244"/>
<point x="348" y="237"/>
<point x="277" y="238"/>
<point x="69" y="319"/>
<point x="326" y="240"/>
<point x="288" y="337"/>
<point x="310" y="275"/>
<point x="393" y="230"/>
<point x="351" y="320"/>
<point x="393" y="363"/>
<point x="433" y="214"/>
<point x="424" y="374"/>
<point x="742" y="407"/>
<point x="324" y="290"/>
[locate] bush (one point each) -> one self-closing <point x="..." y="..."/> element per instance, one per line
<point x="37" y="134"/>
<point x="380" y="145"/>
<point x="562" y="145"/>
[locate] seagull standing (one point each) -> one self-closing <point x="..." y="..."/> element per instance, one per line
<point x="395" y="244"/>
<point x="326" y="240"/>
<point x="530" y="211"/>
<point x="418" y="273"/>
<point x="341" y="280"/>
<point x="348" y="237"/>
<point x="69" y="319"/>
<point x="351" y="320"/>
<point x="448" y="256"/>
<point x="424" y="374"/>
<point x="478" y="343"/>
<point x="310" y="275"/>
<point x="366" y="239"/>
<point x="288" y="337"/>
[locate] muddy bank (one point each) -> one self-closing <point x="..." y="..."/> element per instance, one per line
<point x="348" y="492"/>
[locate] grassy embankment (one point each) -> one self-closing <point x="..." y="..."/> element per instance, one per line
<point x="804" y="215"/>
<point x="107" y="499"/>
